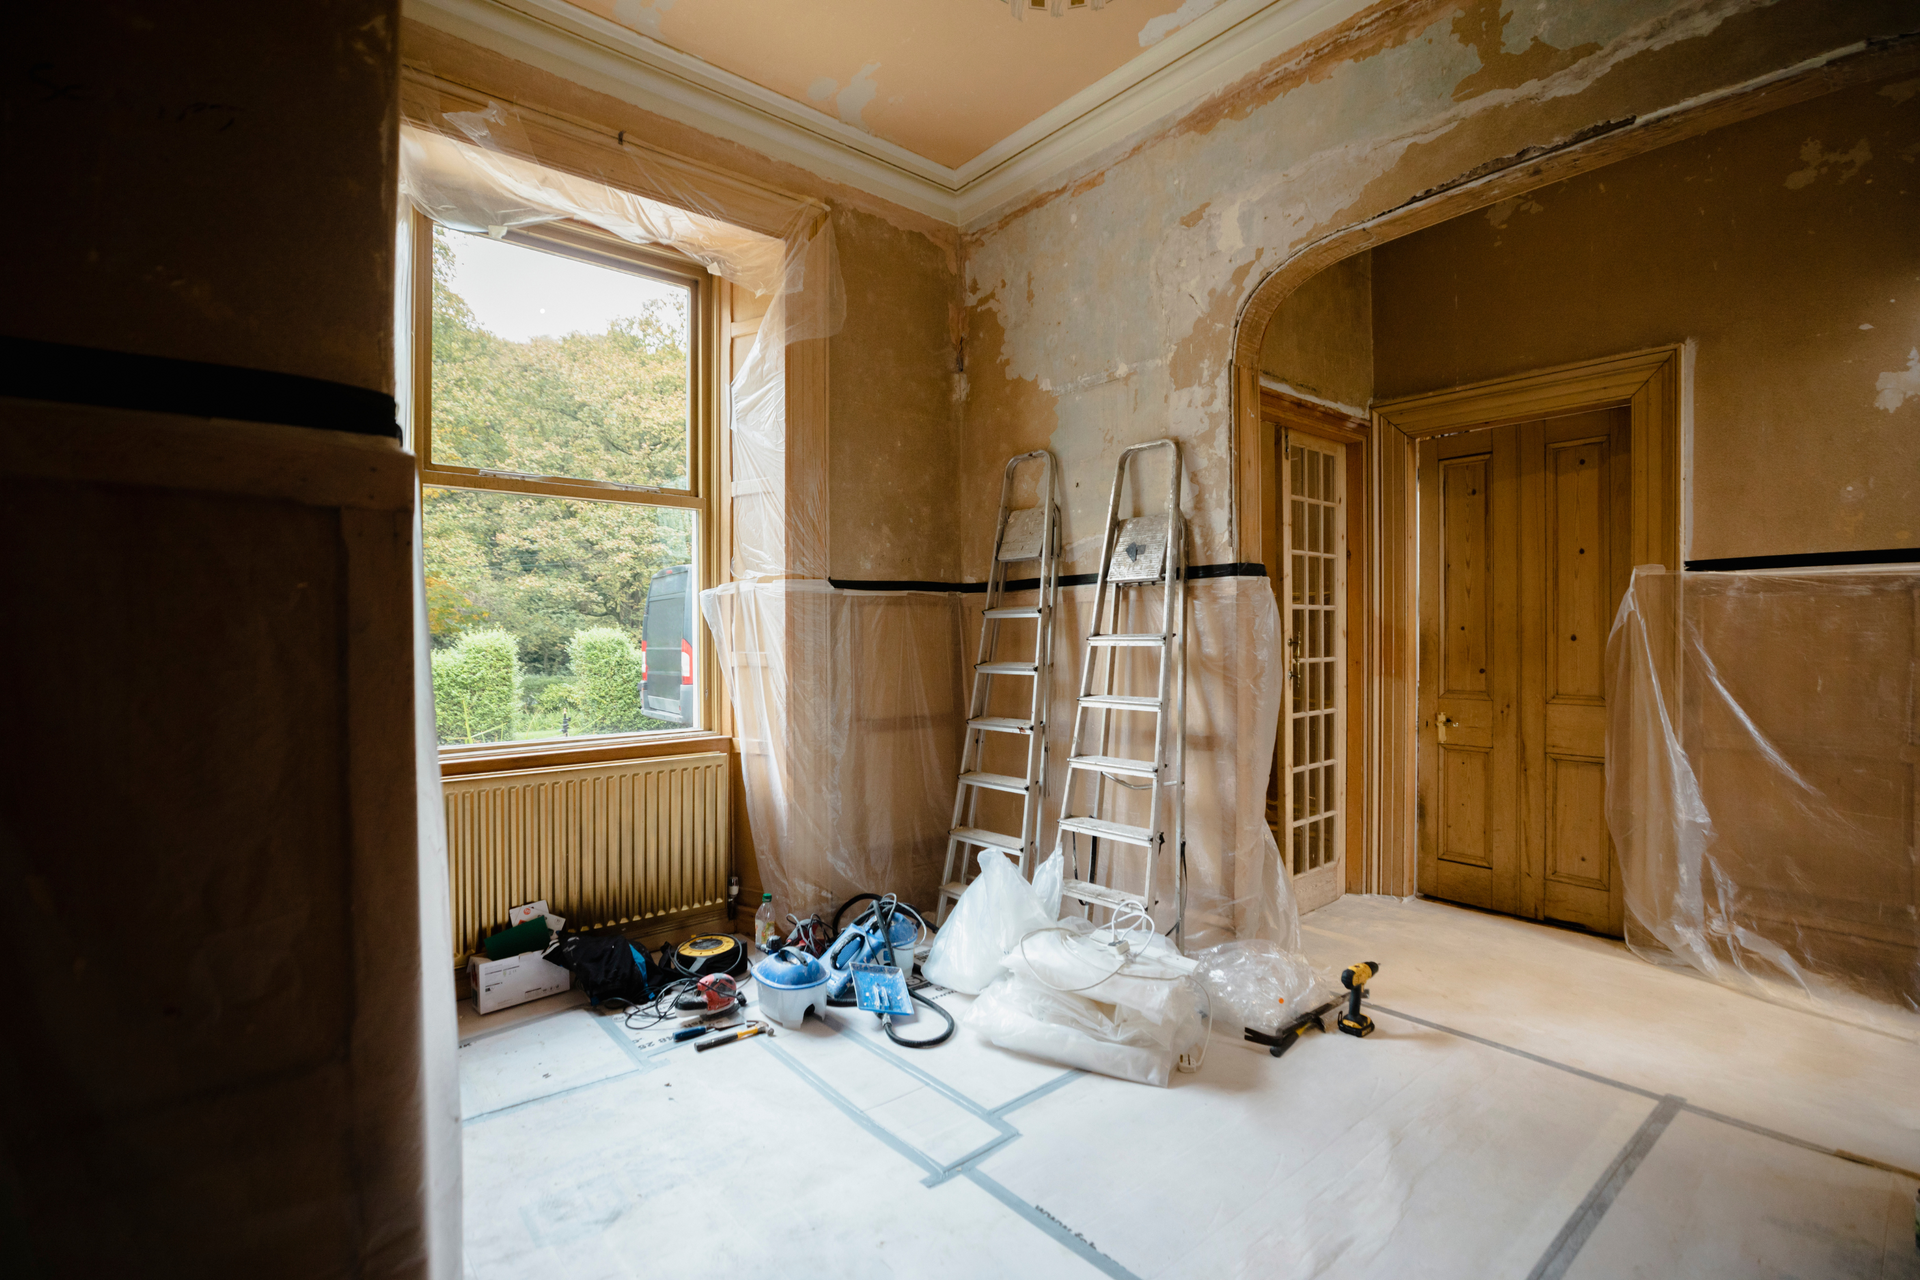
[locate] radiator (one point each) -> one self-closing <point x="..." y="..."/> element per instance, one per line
<point x="604" y="844"/>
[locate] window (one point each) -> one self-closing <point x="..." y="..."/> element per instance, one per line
<point x="564" y="420"/>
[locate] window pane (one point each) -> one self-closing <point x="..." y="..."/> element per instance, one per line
<point x="543" y="611"/>
<point x="553" y="367"/>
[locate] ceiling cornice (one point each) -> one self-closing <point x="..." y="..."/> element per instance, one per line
<point x="1230" y="41"/>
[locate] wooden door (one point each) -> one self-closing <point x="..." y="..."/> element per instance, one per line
<point x="1523" y="560"/>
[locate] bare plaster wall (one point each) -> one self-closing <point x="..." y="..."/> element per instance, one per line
<point x="891" y="408"/>
<point x="1787" y="247"/>
<point x="1102" y="312"/>
<point x="211" y="182"/>
<point x="1320" y="340"/>
<point x="893" y="421"/>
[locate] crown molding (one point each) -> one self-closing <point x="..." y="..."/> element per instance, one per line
<point x="1228" y="42"/>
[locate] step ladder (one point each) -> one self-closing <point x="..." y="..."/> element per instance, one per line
<point x="1028" y="536"/>
<point x="1139" y="611"/>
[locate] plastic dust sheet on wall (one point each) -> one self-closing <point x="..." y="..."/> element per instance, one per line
<point x="850" y="708"/>
<point x="475" y="172"/>
<point x="1761" y="762"/>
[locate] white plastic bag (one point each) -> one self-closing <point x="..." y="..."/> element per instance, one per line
<point x="1256" y="983"/>
<point x="1072" y="958"/>
<point x="995" y="912"/>
<point x="1019" y="1014"/>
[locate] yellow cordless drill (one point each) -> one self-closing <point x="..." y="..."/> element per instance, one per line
<point x="1355" y="979"/>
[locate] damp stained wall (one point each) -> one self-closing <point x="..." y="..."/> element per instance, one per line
<point x="1103" y="312"/>
<point x="1320" y="342"/>
<point x="1786" y="247"/>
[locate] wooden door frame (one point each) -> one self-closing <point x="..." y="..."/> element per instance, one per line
<point x="1652" y="385"/>
<point x="1282" y="412"/>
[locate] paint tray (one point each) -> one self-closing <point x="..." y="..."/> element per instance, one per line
<point x="881" y="988"/>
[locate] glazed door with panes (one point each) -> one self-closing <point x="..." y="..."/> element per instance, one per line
<point x="1307" y="800"/>
<point x="1523" y="560"/>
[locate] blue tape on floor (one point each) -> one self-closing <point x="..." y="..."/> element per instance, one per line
<point x="1051" y="1225"/>
<point x="845" y="1104"/>
<point x="964" y="1166"/>
<point x="497" y="1112"/>
<point x="1566" y="1246"/>
<point x="1034" y="1095"/>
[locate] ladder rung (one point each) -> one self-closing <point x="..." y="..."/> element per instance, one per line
<point x="995" y="782"/>
<point x="1013" y="611"/>
<point x="953" y="889"/>
<point x="1120" y="703"/>
<point x="1006" y="668"/>
<point x="1001" y="724"/>
<point x="991" y="839"/>
<point x="1109" y="831"/>
<point x="1100" y="895"/>
<point x="1142" y="639"/>
<point x="1114" y="764"/>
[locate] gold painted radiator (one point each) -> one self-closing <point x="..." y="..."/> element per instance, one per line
<point x="604" y="844"/>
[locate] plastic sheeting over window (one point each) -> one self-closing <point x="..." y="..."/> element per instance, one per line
<point x="850" y="705"/>
<point x="1763" y="742"/>
<point x="474" y="171"/>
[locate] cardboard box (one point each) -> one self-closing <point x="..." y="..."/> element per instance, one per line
<point x="501" y="984"/>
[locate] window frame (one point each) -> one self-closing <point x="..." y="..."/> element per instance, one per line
<point x="705" y="464"/>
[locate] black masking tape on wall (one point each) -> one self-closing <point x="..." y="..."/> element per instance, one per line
<point x="1251" y="569"/>
<point x="1811" y="560"/>
<point x="35" y="370"/>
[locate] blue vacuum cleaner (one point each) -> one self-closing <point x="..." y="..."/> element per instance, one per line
<point x="862" y="964"/>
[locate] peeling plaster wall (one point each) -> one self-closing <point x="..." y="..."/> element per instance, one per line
<point x="1787" y="247"/>
<point x="1102" y="313"/>
<point x="1320" y="341"/>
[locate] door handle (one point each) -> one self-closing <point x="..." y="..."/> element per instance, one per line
<point x="1444" y="722"/>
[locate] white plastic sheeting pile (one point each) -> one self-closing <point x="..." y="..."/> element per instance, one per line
<point x="1119" y="1001"/>
<point x="1259" y="984"/>
<point x="1070" y="995"/>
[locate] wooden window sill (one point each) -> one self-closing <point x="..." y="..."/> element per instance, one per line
<point x="504" y="757"/>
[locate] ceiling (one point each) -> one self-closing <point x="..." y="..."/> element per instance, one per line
<point x="943" y="79"/>
<point x="952" y="108"/>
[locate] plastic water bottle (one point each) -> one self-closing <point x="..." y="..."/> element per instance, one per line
<point x="764" y="929"/>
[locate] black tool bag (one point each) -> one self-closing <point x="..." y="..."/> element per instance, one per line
<point x="607" y="967"/>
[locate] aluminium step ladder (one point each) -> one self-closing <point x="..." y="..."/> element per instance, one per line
<point x="1143" y="557"/>
<point x="1028" y="535"/>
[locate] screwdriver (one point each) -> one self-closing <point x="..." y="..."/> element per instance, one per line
<point x="753" y="1030"/>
